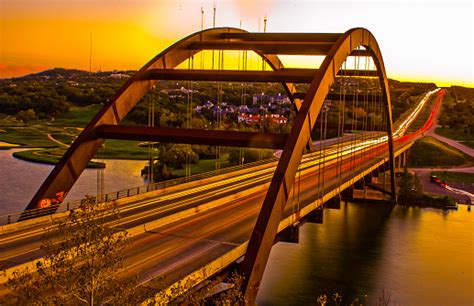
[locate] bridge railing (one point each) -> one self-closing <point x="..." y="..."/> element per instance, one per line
<point x="125" y="193"/>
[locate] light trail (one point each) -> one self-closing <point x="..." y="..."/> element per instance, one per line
<point x="460" y="191"/>
<point x="237" y="216"/>
<point x="408" y="121"/>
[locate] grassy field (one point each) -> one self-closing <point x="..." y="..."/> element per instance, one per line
<point x="37" y="134"/>
<point x="77" y="116"/>
<point x="49" y="135"/>
<point x="454" y="134"/>
<point x="455" y="177"/>
<point x="123" y="149"/>
<point x="429" y="152"/>
<point x="50" y="157"/>
<point x="27" y="136"/>
<point x="204" y="165"/>
<point x="470" y="144"/>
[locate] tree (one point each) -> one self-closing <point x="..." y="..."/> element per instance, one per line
<point x="26" y="116"/>
<point x="82" y="265"/>
<point x="161" y="172"/>
<point x="176" y="155"/>
<point x="410" y="188"/>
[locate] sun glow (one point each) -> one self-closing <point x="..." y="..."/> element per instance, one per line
<point x="420" y="41"/>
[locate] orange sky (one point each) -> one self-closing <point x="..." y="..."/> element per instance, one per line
<point x="420" y="40"/>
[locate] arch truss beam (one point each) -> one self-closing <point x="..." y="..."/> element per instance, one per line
<point x="279" y="76"/>
<point x="336" y="48"/>
<point x="263" y="235"/>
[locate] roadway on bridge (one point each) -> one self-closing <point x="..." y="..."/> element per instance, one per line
<point x="180" y="247"/>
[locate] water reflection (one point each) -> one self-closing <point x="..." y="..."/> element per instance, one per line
<point x="19" y="180"/>
<point x="418" y="256"/>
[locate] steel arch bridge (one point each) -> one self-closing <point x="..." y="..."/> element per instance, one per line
<point x="335" y="47"/>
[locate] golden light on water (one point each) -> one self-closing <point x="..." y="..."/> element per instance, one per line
<point x="420" y="40"/>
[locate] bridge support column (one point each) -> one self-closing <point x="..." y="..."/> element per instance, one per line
<point x="347" y="194"/>
<point x="384" y="180"/>
<point x="291" y="234"/>
<point x="375" y="176"/>
<point x="316" y="216"/>
<point x="334" y="203"/>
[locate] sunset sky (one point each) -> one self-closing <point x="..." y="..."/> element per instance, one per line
<point x="420" y="40"/>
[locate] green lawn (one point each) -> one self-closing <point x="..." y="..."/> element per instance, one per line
<point x="454" y="134"/>
<point x="123" y="149"/>
<point x="49" y="156"/>
<point x="204" y="165"/>
<point x="470" y="144"/>
<point x="77" y="116"/>
<point x="455" y="177"/>
<point x="64" y="129"/>
<point x="29" y="136"/>
<point x="429" y="152"/>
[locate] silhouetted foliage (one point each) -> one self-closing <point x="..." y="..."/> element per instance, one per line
<point x="410" y="189"/>
<point x="83" y="264"/>
<point x="459" y="115"/>
<point x="26" y="116"/>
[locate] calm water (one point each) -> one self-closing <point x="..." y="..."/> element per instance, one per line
<point x="19" y="180"/>
<point x="417" y="256"/>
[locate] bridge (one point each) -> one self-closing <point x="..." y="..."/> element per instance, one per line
<point x="194" y="228"/>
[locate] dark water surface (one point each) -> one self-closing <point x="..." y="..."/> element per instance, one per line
<point x="416" y="256"/>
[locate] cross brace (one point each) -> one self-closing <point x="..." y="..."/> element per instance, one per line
<point x="191" y="136"/>
<point x="280" y="76"/>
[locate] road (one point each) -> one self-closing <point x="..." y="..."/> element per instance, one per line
<point x="219" y="222"/>
<point x="432" y="188"/>
<point x="179" y="247"/>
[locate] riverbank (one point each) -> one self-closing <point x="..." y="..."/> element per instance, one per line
<point x="463" y="181"/>
<point x="46" y="157"/>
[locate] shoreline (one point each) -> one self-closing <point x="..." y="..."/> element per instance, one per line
<point x="28" y="155"/>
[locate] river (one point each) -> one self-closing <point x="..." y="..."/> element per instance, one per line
<point x="20" y="180"/>
<point x="416" y="256"/>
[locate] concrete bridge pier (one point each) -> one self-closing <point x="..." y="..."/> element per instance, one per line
<point x="401" y="161"/>
<point x="334" y="203"/>
<point x="316" y="216"/>
<point x="291" y="234"/>
<point x="371" y="188"/>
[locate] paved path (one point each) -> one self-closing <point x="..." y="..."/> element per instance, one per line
<point x="429" y="187"/>
<point x="453" y="143"/>
<point x="464" y="170"/>
<point x="50" y="137"/>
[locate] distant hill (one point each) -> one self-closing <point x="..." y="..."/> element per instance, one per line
<point x="59" y="73"/>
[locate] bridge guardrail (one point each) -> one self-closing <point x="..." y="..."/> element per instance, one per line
<point x="73" y="204"/>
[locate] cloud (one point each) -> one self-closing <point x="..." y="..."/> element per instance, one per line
<point x="9" y="71"/>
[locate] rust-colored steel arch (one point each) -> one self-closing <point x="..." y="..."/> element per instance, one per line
<point x="336" y="48"/>
<point x="76" y="158"/>
<point x="264" y="232"/>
